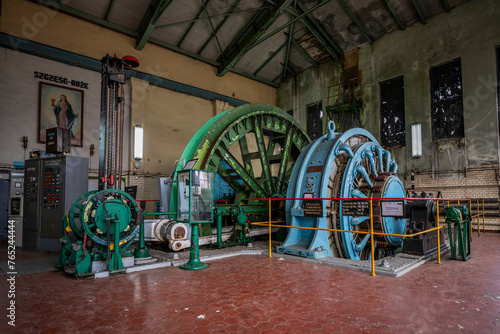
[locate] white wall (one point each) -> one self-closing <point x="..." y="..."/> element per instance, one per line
<point x="19" y="96"/>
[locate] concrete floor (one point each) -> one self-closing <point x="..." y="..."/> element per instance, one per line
<point x="258" y="294"/>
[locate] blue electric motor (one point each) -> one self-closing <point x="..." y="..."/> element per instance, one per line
<point x="341" y="165"/>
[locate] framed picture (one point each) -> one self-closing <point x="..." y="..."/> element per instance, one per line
<point x="62" y="107"/>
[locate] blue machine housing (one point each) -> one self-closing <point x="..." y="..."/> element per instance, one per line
<point x="340" y="165"/>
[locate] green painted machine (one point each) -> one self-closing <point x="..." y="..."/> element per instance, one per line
<point x="98" y="229"/>
<point x="458" y="220"/>
<point x="252" y="148"/>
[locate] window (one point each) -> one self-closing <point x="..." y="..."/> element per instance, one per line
<point x="498" y="78"/>
<point x="446" y="101"/>
<point x="393" y="112"/>
<point x="315" y="120"/>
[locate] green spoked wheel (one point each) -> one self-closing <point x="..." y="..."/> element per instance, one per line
<point x="252" y="148"/>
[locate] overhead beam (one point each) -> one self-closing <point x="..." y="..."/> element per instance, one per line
<point x="110" y="8"/>
<point x="300" y="17"/>
<point x="354" y="18"/>
<point x="316" y="30"/>
<point x="419" y="10"/>
<point x="228" y="13"/>
<point x="270" y="58"/>
<point x="252" y="31"/>
<point x="212" y="27"/>
<point x="396" y="15"/>
<point x="287" y="53"/>
<point x="446" y="5"/>
<point x="304" y="53"/>
<point x="148" y="23"/>
<point x="85" y="16"/>
<point x="203" y="4"/>
<point x="320" y="34"/>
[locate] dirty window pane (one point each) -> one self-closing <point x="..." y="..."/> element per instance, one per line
<point x="314" y="120"/>
<point x="498" y="79"/>
<point x="393" y="112"/>
<point x="446" y="101"/>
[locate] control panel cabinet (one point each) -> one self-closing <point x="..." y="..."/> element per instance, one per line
<point x="51" y="187"/>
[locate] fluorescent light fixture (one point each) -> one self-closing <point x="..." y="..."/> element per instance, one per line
<point x="416" y="140"/>
<point x="138" y="142"/>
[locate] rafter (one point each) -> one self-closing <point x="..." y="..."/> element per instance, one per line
<point x="110" y="8"/>
<point x="252" y="31"/>
<point x="287" y="54"/>
<point x="420" y="11"/>
<point x="300" y="17"/>
<point x="315" y="29"/>
<point x="320" y="34"/>
<point x="85" y="16"/>
<point x="148" y="23"/>
<point x="304" y="53"/>
<point x="353" y="16"/>
<point x="446" y="5"/>
<point x="216" y="30"/>
<point x="203" y="4"/>
<point x="270" y="58"/>
<point x="396" y="15"/>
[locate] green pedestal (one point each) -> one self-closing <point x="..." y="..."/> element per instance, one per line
<point x="194" y="262"/>
<point x="141" y="251"/>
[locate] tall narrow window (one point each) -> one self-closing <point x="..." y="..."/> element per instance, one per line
<point x="446" y="101"/>
<point x="498" y="79"/>
<point x="315" y="120"/>
<point x="392" y="108"/>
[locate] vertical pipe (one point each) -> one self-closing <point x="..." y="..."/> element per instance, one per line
<point x="103" y="125"/>
<point x="117" y="258"/>
<point x="438" y="233"/>
<point x="371" y="237"/>
<point x="269" y="227"/>
<point x="219" y="229"/>
<point x="483" y="217"/>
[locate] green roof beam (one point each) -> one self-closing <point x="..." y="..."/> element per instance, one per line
<point x="420" y="11"/>
<point x="252" y="31"/>
<point x="354" y="18"/>
<point x="446" y="5"/>
<point x="110" y="8"/>
<point x="320" y="34"/>
<point x="300" y="17"/>
<point x="396" y="16"/>
<point x="84" y="16"/>
<point x="287" y="54"/>
<point x="148" y="23"/>
<point x="304" y="53"/>
<point x="227" y="14"/>
<point x="270" y="58"/>
<point x="204" y="4"/>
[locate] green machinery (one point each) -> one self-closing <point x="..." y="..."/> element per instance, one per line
<point x="98" y="229"/>
<point x="253" y="149"/>
<point x="458" y="220"/>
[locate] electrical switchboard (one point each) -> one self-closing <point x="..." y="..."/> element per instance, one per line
<point x="50" y="188"/>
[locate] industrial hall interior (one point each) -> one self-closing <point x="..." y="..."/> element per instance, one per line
<point x="250" y="166"/>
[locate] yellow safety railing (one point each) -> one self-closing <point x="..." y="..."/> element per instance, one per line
<point x="270" y="224"/>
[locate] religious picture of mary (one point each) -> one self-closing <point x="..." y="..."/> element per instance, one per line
<point x="61" y="107"/>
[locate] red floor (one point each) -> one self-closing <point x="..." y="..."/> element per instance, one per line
<point x="256" y="294"/>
